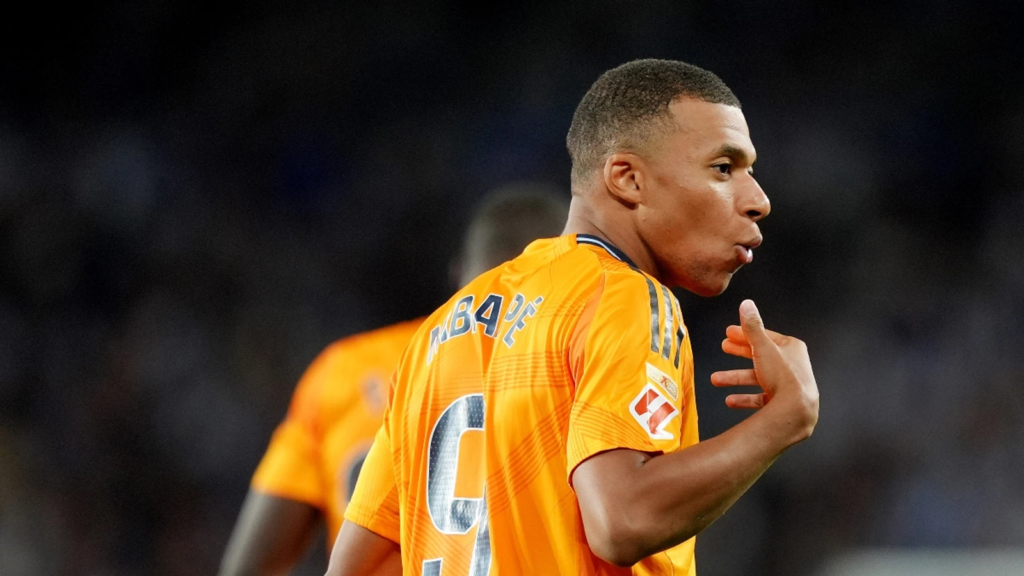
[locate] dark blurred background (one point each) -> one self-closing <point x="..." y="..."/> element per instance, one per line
<point x="195" y="199"/>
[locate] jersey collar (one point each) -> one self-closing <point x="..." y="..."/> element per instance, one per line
<point x="608" y="246"/>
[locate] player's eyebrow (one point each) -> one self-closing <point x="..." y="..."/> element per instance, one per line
<point x="735" y="152"/>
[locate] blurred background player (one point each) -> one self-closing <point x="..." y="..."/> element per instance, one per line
<point x="310" y="468"/>
<point x="543" y="420"/>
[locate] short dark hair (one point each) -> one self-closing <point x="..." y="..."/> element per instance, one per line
<point x="509" y="218"/>
<point x="630" y="101"/>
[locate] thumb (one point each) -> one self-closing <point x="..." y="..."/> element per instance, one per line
<point x="753" y="326"/>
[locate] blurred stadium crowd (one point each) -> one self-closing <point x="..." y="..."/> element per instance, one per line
<point x="195" y="200"/>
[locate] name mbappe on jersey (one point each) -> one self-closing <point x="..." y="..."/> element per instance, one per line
<point x="460" y="321"/>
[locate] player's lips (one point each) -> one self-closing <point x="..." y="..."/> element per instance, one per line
<point x="745" y="250"/>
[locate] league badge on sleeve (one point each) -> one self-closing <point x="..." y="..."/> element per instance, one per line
<point x="653" y="410"/>
<point x="664" y="380"/>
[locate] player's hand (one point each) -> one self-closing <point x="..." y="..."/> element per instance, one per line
<point x="782" y="369"/>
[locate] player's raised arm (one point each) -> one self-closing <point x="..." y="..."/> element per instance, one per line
<point x="635" y="505"/>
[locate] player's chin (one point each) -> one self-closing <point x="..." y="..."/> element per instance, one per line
<point x="711" y="285"/>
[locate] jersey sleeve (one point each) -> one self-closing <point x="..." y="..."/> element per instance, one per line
<point x="625" y="360"/>
<point x="374" y="503"/>
<point x="290" y="468"/>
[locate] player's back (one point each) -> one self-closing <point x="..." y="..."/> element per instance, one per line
<point x="487" y="418"/>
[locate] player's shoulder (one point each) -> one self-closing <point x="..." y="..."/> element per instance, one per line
<point x="344" y="365"/>
<point x="627" y="299"/>
<point x="577" y="260"/>
<point x="581" y="267"/>
<point x="379" y="348"/>
<point x="393" y="335"/>
<point x="544" y="266"/>
<point x="616" y="269"/>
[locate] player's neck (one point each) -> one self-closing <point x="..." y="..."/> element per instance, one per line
<point x="612" y="227"/>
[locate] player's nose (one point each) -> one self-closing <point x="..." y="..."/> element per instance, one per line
<point x="755" y="204"/>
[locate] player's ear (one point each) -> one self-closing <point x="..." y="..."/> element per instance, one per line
<point x="623" y="178"/>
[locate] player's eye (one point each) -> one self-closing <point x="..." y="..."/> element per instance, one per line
<point x="723" y="168"/>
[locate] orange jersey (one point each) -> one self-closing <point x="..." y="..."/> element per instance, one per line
<point x="315" y="455"/>
<point x="560" y="354"/>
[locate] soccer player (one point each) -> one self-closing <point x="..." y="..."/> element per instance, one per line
<point x="543" y="420"/>
<point x="314" y="458"/>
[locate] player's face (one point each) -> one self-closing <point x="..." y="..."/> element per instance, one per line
<point x="698" y="216"/>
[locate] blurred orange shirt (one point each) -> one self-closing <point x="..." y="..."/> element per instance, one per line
<point x="316" y="453"/>
<point x="560" y="354"/>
